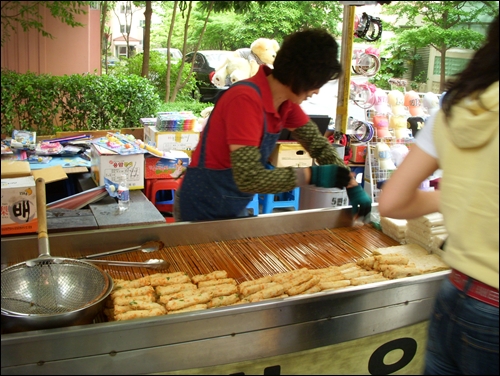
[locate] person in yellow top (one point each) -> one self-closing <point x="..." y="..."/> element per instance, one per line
<point x="461" y="139"/>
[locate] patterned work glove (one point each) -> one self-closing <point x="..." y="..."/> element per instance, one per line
<point x="330" y="176"/>
<point x="361" y="203"/>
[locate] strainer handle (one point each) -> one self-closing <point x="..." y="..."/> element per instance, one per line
<point x="41" y="207"/>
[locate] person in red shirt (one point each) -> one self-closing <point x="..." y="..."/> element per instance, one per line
<point x="228" y="166"/>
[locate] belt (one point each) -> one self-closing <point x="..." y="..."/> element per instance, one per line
<point x="476" y="290"/>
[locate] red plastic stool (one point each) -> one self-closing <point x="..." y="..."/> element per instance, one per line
<point x="164" y="185"/>
<point x="147" y="187"/>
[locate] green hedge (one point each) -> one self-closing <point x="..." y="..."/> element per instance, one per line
<point x="195" y="107"/>
<point x="158" y="75"/>
<point x="49" y="104"/>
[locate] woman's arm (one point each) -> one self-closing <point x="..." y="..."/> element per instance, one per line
<point x="251" y="176"/>
<point x="401" y="197"/>
<point x="318" y="146"/>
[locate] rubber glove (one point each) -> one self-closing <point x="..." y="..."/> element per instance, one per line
<point x="330" y="176"/>
<point x="361" y="203"/>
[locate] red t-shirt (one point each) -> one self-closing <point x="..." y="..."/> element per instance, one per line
<point x="238" y="119"/>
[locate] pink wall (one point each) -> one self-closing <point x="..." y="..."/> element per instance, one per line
<point x="73" y="50"/>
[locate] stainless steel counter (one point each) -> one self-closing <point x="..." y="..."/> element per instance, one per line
<point x="233" y="334"/>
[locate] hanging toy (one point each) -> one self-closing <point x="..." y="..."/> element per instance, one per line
<point x="414" y="103"/>
<point x="383" y="155"/>
<point x="398" y="153"/>
<point x="415" y="124"/>
<point x="396" y="100"/>
<point x="380" y="102"/>
<point x="399" y="125"/>
<point x="430" y="102"/>
<point x="381" y="125"/>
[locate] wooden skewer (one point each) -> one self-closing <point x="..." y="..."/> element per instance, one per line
<point x="251" y="258"/>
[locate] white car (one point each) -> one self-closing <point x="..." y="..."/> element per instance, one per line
<point x="175" y="54"/>
<point x="204" y="63"/>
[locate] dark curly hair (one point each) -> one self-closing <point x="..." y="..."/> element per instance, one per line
<point x="481" y="72"/>
<point x="307" y="60"/>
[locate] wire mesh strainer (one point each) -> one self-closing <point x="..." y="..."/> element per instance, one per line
<point x="50" y="285"/>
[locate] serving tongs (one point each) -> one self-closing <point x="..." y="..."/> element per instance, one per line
<point x="148" y="247"/>
<point x="150" y="264"/>
<point x="151" y="246"/>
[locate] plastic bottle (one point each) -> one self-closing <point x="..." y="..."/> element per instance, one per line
<point x="123" y="192"/>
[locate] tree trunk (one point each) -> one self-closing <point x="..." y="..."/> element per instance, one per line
<point x="442" y="76"/>
<point x="104" y="14"/>
<point x="179" y="84"/>
<point x="169" y="41"/>
<point x="146" y="40"/>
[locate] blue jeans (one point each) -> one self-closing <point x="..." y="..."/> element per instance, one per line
<point x="463" y="335"/>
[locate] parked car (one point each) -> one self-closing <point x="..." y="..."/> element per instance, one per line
<point x="175" y="54"/>
<point x="204" y="63"/>
<point x="112" y="61"/>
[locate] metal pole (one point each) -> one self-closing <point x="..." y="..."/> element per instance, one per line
<point x="345" y="78"/>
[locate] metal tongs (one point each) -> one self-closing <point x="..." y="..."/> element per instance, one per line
<point x="150" y="264"/>
<point x="147" y="247"/>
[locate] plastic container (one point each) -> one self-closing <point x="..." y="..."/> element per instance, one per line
<point x="123" y="192"/>
<point x="340" y="150"/>
<point x="312" y="197"/>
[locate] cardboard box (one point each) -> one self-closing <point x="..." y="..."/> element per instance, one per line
<point x="165" y="141"/>
<point x="288" y="154"/>
<point x="16" y="169"/>
<point x="19" y="214"/>
<point x="358" y="153"/>
<point x="161" y="168"/>
<point x="105" y="163"/>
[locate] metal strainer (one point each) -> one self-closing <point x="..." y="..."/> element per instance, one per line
<point x="50" y="285"/>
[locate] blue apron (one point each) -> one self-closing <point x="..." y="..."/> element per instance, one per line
<point x="208" y="194"/>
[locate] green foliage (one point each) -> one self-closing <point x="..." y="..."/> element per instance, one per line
<point x="158" y="74"/>
<point x="195" y="107"/>
<point x="442" y="24"/>
<point x="418" y="79"/>
<point x="236" y="6"/>
<point x="429" y="35"/>
<point x="159" y="32"/>
<point x="445" y="14"/>
<point x="220" y="33"/>
<point x="234" y="25"/>
<point x="47" y="104"/>
<point x="28" y="14"/>
<point x="395" y="66"/>
<point x="29" y="102"/>
<point x="280" y="18"/>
